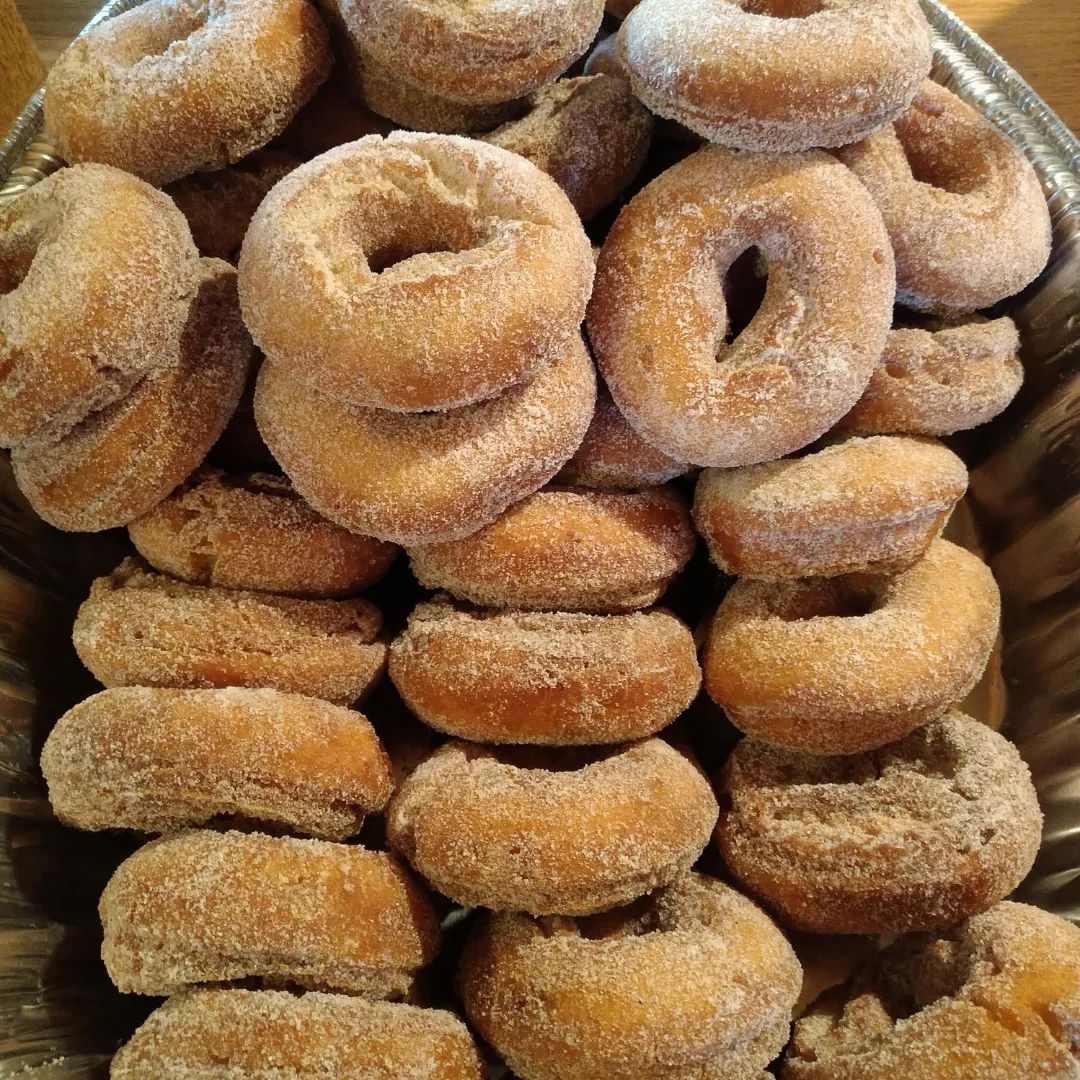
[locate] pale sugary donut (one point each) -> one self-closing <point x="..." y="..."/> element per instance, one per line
<point x="693" y="983"/>
<point x="173" y="86"/>
<point x="556" y="679"/>
<point x="918" y="835"/>
<point x="155" y="760"/>
<point x="965" y="212"/>
<point x="658" y="319"/>
<point x="210" y="907"/>
<point x="872" y="505"/>
<point x="415" y="272"/>
<point x="840" y="665"/>
<point x="569" y="832"/>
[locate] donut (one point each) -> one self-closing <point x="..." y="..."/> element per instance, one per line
<point x="567" y="549"/>
<point x="460" y="269"/>
<point x="658" y="317"/>
<point x="570" y="832"/>
<point x="252" y="531"/>
<point x="209" y="907"/>
<point x="431" y="477"/>
<point x="777" y="76"/>
<point x="965" y="211"/>
<point x="329" y="119"/>
<point x="590" y="135"/>
<point x="846" y="664"/>
<point x="120" y="462"/>
<point x="272" y="1035"/>
<point x="553" y="679"/>
<point x="997" y="998"/>
<point x="156" y="760"/>
<point x="87" y="308"/>
<point x="918" y="835"/>
<point x="142" y="629"/>
<point x="694" y="981"/>
<point x="939" y="381"/>
<point x="873" y="505"/>
<point x="174" y="86"/>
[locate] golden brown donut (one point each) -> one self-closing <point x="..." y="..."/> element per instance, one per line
<point x="271" y="1035"/>
<point x="87" y="306"/>
<point x="965" y="211"/>
<point x="173" y="86"/>
<point x="918" y="835"/>
<point x="997" y="998"/>
<point x="692" y="983"/>
<point x="430" y="477"/>
<point x="252" y="531"/>
<point x="554" y="679"/>
<point x="658" y="319"/>
<point x="872" y="505"/>
<point x="155" y="760"/>
<point x="122" y="461"/>
<point x="567" y="549"/>
<point x="142" y="629"/>
<point x="459" y="270"/>
<point x="202" y="906"/>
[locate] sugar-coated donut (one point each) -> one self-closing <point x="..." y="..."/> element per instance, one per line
<point x="173" y="86"/>
<point x="567" y="549"/>
<point x="918" y="835"/>
<point x="965" y="211"/>
<point x="272" y="1035"/>
<point x="658" y="317"/>
<point x="431" y="477"/>
<point x="97" y="272"/>
<point x="570" y="832"/>
<point x="209" y="907"/>
<point x="777" y="75"/>
<point x="556" y="678"/>
<point x="693" y="983"/>
<point x="997" y="998"/>
<point x="459" y="269"/>
<point x="119" y="463"/>
<point x="937" y="381"/>
<point x="155" y="760"/>
<point x="142" y="629"/>
<point x="867" y="504"/>
<point x="590" y="135"/>
<point x="840" y="665"/>
<point x="252" y="531"/>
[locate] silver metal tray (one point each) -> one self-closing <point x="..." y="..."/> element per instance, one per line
<point x="59" y="1018"/>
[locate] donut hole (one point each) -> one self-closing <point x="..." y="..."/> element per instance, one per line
<point x="162" y="36"/>
<point x="918" y="974"/>
<point x="845" y="598"/>
<point x="745" y="284"/>
<point x="394" y="254"/>
<point x="782" y="9"/>
<point x="937" y="162"/>
<point x="399" y="238"/>
<point x="544" y="759"/>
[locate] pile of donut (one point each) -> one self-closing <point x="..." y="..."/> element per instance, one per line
<point x="312" y="289"/>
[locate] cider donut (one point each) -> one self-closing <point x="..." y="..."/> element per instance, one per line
<point x="552" y="679"/>
<point x="459" y="270"/>
<point x="87" y="307"/>
<point x="142" y="629"/>
<point x="202" y="906"/>
<point x="432" y="477"/>
<point x="693" y="983"/>
<point x="938" y="381"/>
<point x="271" y="1035"/>
<point x="156" y="760"/>
<point x="658" y="317"/>
<point x="918" y="835"/>
<point x="841" y="665"/>
<point x="174" y="86"/>
<point x="873" y="505"/>
<point x="570" y="832"/>
<point x="777" y="76"/>
<point x="965" y="211"/>
<point x="252" y="531"/>
<point x="566" y="549"/>
<point x="996" y="998"/>
<point x="119" y="463"/>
